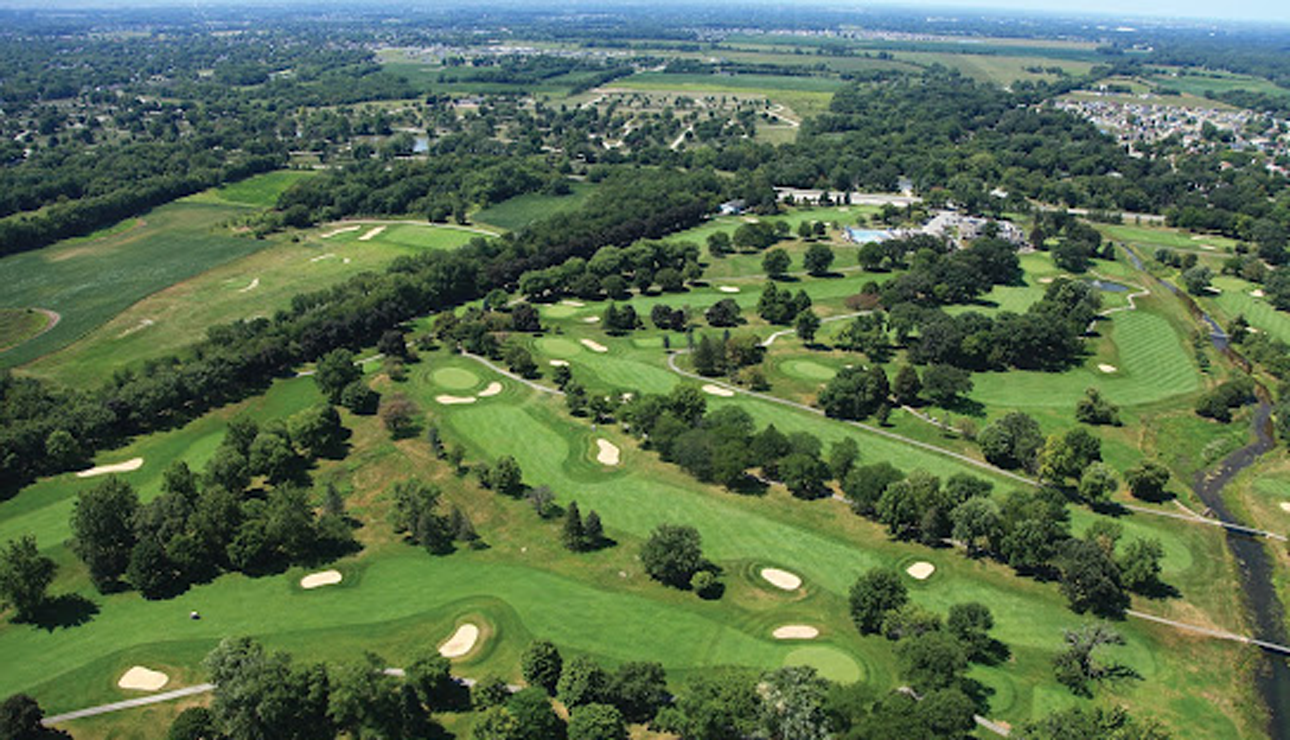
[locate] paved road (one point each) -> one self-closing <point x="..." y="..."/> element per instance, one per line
<point x="142" y="701"/>
<point x="785" y="332"/>
<point x="503" y="371"/>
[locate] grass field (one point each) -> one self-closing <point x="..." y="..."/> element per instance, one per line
<point x="17" y="325"/>
<point x="1236" y="300"/>
<point x="1000" y="70"/>
<point x="1149" y="238"/>
<point x="261" y="191"/>
<point x="1198" y="82"/>
<point x="520" y="211"/>
<point x="255" y="285"/>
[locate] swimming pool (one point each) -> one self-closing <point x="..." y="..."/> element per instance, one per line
<point x="863" y="236"/>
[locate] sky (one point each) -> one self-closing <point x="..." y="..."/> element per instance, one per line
<point x="1244" y="10"/>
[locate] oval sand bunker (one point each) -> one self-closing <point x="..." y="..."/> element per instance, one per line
<point x="492" y="390"/>
<point x="139" y="678"/>
<point x="781" y="579"/>
<point x="1107" y="368"/>
<point x="728" y="289"/>
<point x="716" y="390"/>
<point x="325" y="578"/>
<point x="461" y="641"/>
<point x="122" y="467"/>
<point x="594" y="346"/>
<point x="453" y="400"/>
<point x="608" y="452"/>
<point x="921" y="570"/>
<point x="796" y="632"/>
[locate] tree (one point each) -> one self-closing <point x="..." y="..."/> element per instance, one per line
<point x="806" y="325"/>
<point x="719" y="244"/>
<point x="597" y="722"/>
<point x="363" y="699"/>
<point x="103" y="531"/>
<point x="583" y="681"/>
<point x="534" y="715"/>
<point x="392" y="344"/>
<point x="1076" y="666"/>
<point x="818" y="259"/>
<point x="672" y="554"/>
<point x="709" y="357"/>
<point x="1090" y="579"/>
<point x="873" y="595"/>
<point x="334" y="371"/>
<point x="976" y="523"/>
<point x="1097" y="483"/>
<point x="792" y="704"/>
<point x="804" y="475"/>
<point x="1068" y="455"/>
<point x="1140" y="565"/>
<point x="970" y="624"/>
<point x="194" y="723"/>
<point x="495" y="723"/>
<point x="931" y="661"/>
<point x="490" y="692"/>
<point x="1147" y="480"/>
<point x="593" y="531"/>
<point x="25" y="576"/>
<point x="1095" y="723"/>
<point x="1012" y="441"/>
<point x="541" y="665"/>
<point x="360" y="399"/>
<point x="273" y="456"/>
<point x="398" y="413"/>
<point x="776" y="263"/>
<point x="943" y="384"/>
<point x="20" y="719"/>
<point x="1197" y="279"/>
<point x="317" y="429"/>
<point x="855" y="393"/>
<point x="843" y="456"/>
<point x="505" y="476"/>
<point x="724" y="312"/>
<point x="260" y="695"/>
<point x="906" y="385"/>
<point x="720" y="705"/>
<point x="639" y="689"/>
<point x="572" y="536"/>
<point x="1094" y="409"/>
<point x="430" y="675"/>
<point x="865" y="484"/>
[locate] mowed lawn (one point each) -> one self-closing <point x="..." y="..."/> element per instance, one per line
<point x="261" y="191"/>
<point x="516" y="213"/>
<point x="255" y="285"/>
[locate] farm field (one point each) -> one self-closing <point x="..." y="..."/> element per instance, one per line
<point x="518" y="212"/>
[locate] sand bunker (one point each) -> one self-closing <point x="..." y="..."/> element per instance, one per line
<point x="121" y="467"/>
<point x="591" y="320"/>
<point x="608" y="454"/>
<point x="492" y="390"/>
<point x="796" y="632"/>
<point x="453" y="400"/>
<point x="1285" y="505"/>
<point x="1045" y="280"/>
<point x="327" y="256"/>
<point x="594" y="346"/>
<point x="342" y="230"/>
<point x="324" y="578"/>
<point x="371" y="234"/>
<point x="1107" y="368"/>
<point x="559" y="363"/>
<point x="461" y="641"/>
<point x="254" y="284"/>
<point x="143" y="324"/>
<point x="573" y="304"/>
<point x="781" y="579"/>
<point x="1257" y="293"/>
<point x="139" y="678"/>
<point x="922" y="570"/>
<point x="728" y="289"/>
<point x="717" y="390"/>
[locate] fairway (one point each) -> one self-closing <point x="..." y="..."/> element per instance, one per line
<point x="260" y="191"/>
<point x="18" y="325"/>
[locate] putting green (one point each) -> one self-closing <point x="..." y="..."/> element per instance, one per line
<point x="558" y="347"/>
<point x="559" y="311"/>
<point x="832" y="663"/>
<point x="455" y="378"/>
<point x="807" y="370"/>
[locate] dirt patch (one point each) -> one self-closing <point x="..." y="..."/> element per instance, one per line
<point x="461" y="642"/>
<point x="607" y="453"/>
<point x="594" y="346"/>
<point x="492" y="390"/>
<point x="372" y="234"/>
<point x="121" y="467"/>
<point x="323" y="578"/>
<point x="454" y="400"/>
<point x="921" y="571"/>
<point x="782" y="579"/>
<point x="139" y="678"/>
<point x="796" y="632"/>
<point x="716" y="390"/>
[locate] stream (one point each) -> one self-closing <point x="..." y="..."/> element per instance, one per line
<point x="1255" y="563"/>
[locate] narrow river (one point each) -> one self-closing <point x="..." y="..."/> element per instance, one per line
<point x="1254" y="562"/>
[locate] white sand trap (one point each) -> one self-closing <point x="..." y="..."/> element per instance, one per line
<point x="139" y="678"/>
<point x="594" y="346"/>
<point x="371" y="234"/>
<point x="492" y="390"/>
<point x="342" y="230"/>
<point x="254" y="284"/>
<point x="461" y="641"/>
<point x="1257" y="293"/>
<point x="1209" y="247"/>
<point x="323" y="578"/>
<point x="1285" y="505"/>
<point x="346" y="260"/>
<point x="121" y="467"/>
<point x="608" y="454"/>
<point x="1107" y="368"/>
<point x="728" y="289"/>
<point x="454" y="400"/>
<point x="1045" y="280"/>
<point x="559" y="363"/>
<point x="321" y="257"/>
<point x="573" y="304"/>
<point x="782" y="579"/>
<point x="796" y="632"/>
<point x="717" y="390"/>
<point x="591" y="320"/>
<point x="922" y="570"/>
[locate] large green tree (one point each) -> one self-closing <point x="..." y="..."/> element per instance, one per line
<point x="25" y="576"/>
<point x="103" y="530"/>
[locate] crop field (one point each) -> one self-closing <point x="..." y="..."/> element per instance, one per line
<point x="1199" y="82"/>
<point x="1000" y="70"/>
<point x="518" y="212"/>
